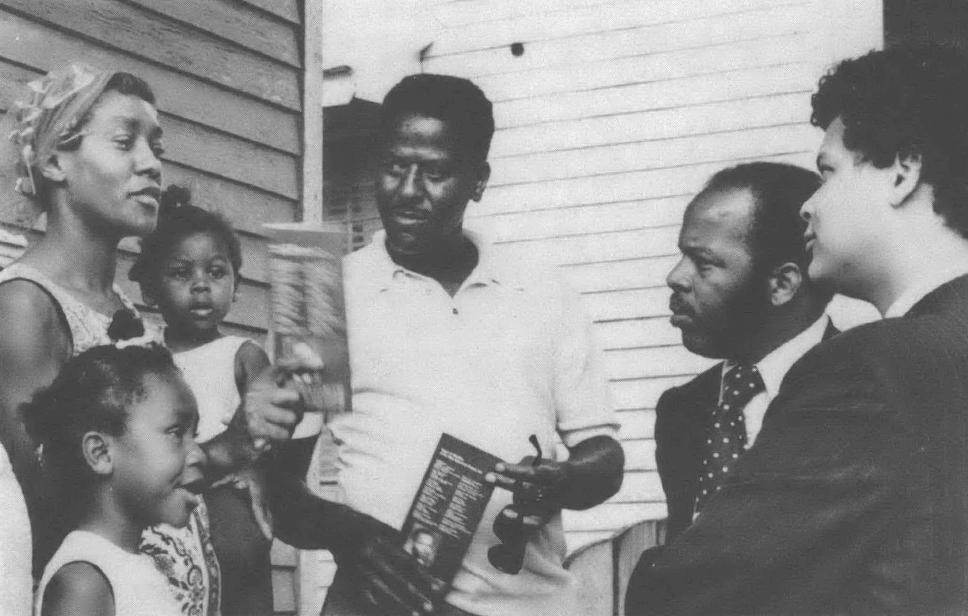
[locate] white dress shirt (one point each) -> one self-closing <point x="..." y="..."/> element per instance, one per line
<point x="773" y="368"/>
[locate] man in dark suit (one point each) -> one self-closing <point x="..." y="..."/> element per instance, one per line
<point x="739" y="293"/>
<point x="854" y="499"/>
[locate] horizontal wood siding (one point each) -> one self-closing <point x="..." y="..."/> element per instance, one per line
<point x="227" y="75"/>
<point x="228" y="98"/>
<point x="612" y="118"/>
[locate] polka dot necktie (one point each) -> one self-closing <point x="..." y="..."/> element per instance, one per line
<point x="726" y="433"/>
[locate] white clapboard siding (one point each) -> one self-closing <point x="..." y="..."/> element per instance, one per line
<point x="623" y="273"/>
<point x="640" y="454"/>
<point x="732" y="84"/>
<point x="654" y="124"/>
<point x="582" y="21"/>
<point x="643" y="391"/>
<point x="722" y="25"/>
<point x="596" y="218"/>
<point x="636" y="424"/>
<point x="652" y="362"/>
<point x="611" y="188"/>
<point x="636" y="333"/>
<point x="595" y="248"/>
<point x="454" y="13"/>
<point x="640" y="486"/>
<point x="639" y="155"/>
<point x="766" y="51"/>
<point x="612" y="118"/>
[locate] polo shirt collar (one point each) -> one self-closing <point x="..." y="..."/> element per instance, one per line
<point x="386" y="270"/>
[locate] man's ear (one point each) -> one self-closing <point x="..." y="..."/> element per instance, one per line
<point x="96" y="448"/>
<point x="51" y="169"/>
<point x="784" y="281"/>
<point x="906" y="172"/>
<point x="484" y="174"/>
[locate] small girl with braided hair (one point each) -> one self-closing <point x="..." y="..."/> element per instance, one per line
<point x="118" y="426"/>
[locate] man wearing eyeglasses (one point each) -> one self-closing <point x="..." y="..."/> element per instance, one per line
<point x="446" y="336"/>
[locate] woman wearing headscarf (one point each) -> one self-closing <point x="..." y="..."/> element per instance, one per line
<point x="83" y="147"/>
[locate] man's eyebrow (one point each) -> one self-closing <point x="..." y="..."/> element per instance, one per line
<point x="693" y="250"/>
<point x="186" y="413"/>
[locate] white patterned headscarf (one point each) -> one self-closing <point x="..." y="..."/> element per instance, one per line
<point x="46" y="119"/>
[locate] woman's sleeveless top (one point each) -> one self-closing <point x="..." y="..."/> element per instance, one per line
<point x="184" y="555"/>
<point x="88" y="327"/>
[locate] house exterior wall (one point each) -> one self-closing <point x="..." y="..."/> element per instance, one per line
<point x="609" y="121"/>
<point x="607" y="124"/>
<point x="228" y="78"/>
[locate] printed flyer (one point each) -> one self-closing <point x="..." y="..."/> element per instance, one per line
<point x="448" y="506"/>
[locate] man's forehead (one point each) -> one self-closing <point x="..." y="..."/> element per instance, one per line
<point x="723" y="206"/>
<point x="833" y="145"/>
<point x="718" y="215"/>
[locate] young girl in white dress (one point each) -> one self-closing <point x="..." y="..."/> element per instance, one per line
<point x="119" y="425"/>
<point x="190" y="269"/>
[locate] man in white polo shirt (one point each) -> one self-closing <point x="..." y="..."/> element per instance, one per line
<point x="445" y="337"/>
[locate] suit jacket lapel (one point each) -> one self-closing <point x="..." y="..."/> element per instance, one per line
<point x="704" y="406"/>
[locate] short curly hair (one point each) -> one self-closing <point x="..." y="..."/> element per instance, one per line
<point x="91" y="392"/>
<point x="451" y="99"/>
<point x="177" y="219"/>
<point x="906" y="101"/>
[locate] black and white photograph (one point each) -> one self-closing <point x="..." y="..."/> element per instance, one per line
<point x="691" y="277"/>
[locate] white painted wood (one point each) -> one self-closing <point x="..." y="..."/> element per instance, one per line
<point x="636" y="333"/>
<point x="666" y="94"/>
<point x="659" y="153"/>
<point x="627" y="304"/>
<point x="639" y="454"/>
<point x="641" y="487"/>
<point x="455" y="13"/>
<point x="714" y="28"/>
<point x="644" y="392"/>
<point x="767" y="51"/>
<point x="848" y="29"/>
<point x="595" y="248"/>
<point x="312" y="125"/>
<point x="654" y="361"/>
<point x="619" y="187"/>
<point x="636" y="424"/>
<point x="596" y="218"/>
<point x="605" y="18"/>
<point x="651" y="125"/>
